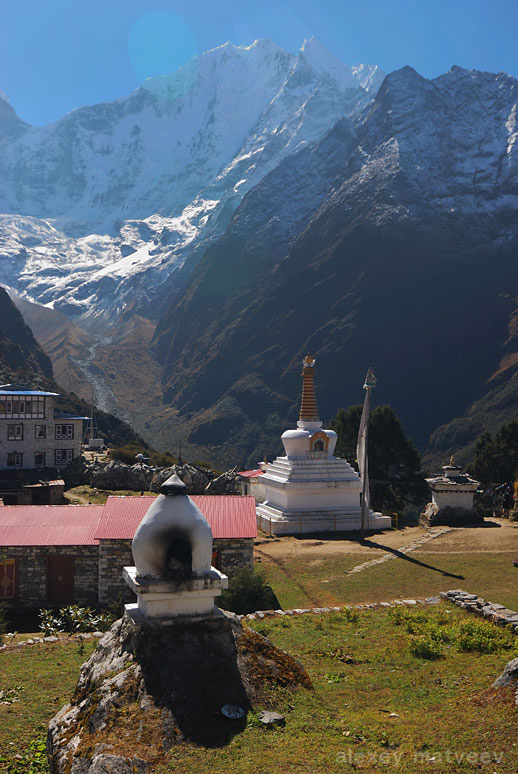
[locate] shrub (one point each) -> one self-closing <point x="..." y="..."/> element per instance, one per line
<point x="424" y="647"/>
<point x="74" y="619"/>
<point x="351" y="615"/>
<point x="399" y="615"/>
<point x="125" y="454"/>
<point x="248" y="591"/>
<point x="482" y="637"/>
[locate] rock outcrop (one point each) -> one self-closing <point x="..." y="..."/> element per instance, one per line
<point x="145" y="689"/>
<point x="433" y="516"/>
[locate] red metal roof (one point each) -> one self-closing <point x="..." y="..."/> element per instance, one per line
<point x="230" y="516"/>
<point x="49" y="525"/>
<point x="251" y="473"/>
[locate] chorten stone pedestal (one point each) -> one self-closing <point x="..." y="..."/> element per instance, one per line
<point x="172" y="549"/>
<point x="309" y="489"/>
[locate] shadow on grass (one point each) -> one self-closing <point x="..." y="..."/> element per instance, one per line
<point x="406" y="557"/>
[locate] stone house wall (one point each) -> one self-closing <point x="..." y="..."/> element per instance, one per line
<point x="234" y="554"/>
<point x="32" y="562"/>
<point x="113" y="556"/>
<point x="98" y="570"/>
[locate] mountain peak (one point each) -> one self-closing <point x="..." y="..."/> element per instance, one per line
<point x="322" y="61"/>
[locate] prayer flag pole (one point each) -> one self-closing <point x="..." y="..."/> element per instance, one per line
<point x="361" y="447"/>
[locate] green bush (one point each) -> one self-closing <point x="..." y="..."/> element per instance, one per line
<point x="74" y="619"/>
<point x="424" y="647"/>
<point x="351" y="615"/>
<point x="482" y="637"/>
<point x="247" y="592"/>
<point x="126" y="454"/>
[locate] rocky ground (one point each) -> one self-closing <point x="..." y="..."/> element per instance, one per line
<point x="116" y="475"/>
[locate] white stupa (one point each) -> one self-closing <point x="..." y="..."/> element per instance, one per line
<point x="309" y="489"/>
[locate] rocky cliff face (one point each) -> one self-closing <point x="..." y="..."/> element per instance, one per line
<point x="395" y="249"/>
<point x="22" y="361"/>
<point x="106" y="204"/>
<point x="20" y="353"/>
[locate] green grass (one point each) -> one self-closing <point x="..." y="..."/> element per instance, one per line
<point x="362" y="670"/>
<point x="420" y="574"/>
<point x="309" y="582"/>
<point x="43" y="678"/>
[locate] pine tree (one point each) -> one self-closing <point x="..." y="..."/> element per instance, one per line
<point x="394" y="462"/>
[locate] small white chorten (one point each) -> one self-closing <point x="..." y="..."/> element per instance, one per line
<point x="452" y="499"/>
<point x="172" y="550"/>
<point x="311" y="490"/>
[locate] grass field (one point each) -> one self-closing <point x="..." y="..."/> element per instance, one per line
<point x="374" y="706"/>
<point x="320" y="582"/>
<point x="36" y="680"/>
<point x="313" y="573"/>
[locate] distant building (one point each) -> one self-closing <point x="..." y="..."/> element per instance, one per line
<point x="56" y="555"/>
<point x="452" y="499"/>
<point x="250" y="481"/>
<point x="35" y="439"/>
<point x="32" y="433"/>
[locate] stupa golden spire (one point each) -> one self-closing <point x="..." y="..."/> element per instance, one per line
<point x="308" y="406"/>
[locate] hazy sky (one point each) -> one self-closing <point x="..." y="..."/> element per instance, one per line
<point x="59" y="54"/>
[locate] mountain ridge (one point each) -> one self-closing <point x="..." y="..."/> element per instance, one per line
<point x="105" y="205"/>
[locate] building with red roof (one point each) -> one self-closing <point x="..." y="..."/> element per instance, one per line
<point x="58" y="554"/>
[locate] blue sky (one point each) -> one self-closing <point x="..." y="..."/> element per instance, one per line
<point x="59" y="54"/>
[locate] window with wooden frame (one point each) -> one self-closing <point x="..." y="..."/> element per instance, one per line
<point x="63" y="456"/>
<point x="22" y="407"/>
<point x="39" y="459"/>
<point x="40" y="432"/>
<point x="15" y="432"/>
<point x="64" y="432"/>
<point x="14" y="459"/>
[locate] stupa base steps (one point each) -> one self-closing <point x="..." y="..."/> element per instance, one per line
<point x="277" y="522"/>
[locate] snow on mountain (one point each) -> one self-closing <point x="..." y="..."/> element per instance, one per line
<point x="103" y="206"/>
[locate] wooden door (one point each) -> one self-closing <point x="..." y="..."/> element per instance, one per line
<point x="60" y="578"/>
<point x="8" y="577"/>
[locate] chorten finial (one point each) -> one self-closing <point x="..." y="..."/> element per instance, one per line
<point x="308" y="406"/>
<point x="452" y="460"/>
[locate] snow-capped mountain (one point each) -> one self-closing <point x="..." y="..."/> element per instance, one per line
<point x="396" y="247"/>
<point x="101" y="207"/>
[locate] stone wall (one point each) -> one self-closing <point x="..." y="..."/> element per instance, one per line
<point x="113" y="556"/>
<point x="32" y="573"/>
<point x="234" y="554"/>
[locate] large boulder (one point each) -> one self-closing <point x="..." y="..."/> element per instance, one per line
<point x="433" y="516"/>
<point x="194" y="478"/>
<point x="226" y="483"/>
<point x="116" y="475"/>
<point x="146" y="688"/>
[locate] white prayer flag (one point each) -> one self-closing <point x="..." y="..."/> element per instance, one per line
<point x="361" y="446"/>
